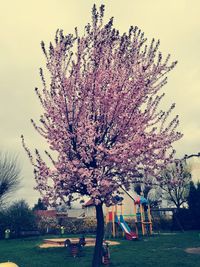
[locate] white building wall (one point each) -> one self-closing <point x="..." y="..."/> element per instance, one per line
<point x="127" y="206"/>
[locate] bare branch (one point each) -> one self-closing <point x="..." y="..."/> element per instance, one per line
<point x="9" y="176"/>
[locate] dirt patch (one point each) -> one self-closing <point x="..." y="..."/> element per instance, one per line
<point x="193" y="250"/>
<point x="59" y="242"/>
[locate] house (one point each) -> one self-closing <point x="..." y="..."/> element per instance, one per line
<point x="45" y="213"/>
<point x="77" y="213"/>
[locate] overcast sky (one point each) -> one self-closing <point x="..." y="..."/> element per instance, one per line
<point x="24" y="23"/>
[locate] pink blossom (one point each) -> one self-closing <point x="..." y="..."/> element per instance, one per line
<point x="101" y="114"/>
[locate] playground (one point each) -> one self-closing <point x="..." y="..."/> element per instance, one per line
<point x="165" y="249"/>
<point x="138" y="212"/>
<point x="131" y="239"/>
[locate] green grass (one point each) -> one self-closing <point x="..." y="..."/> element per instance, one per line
<point x="157" y="251"/>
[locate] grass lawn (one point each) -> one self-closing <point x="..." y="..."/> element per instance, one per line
<point x="158" y="251"/>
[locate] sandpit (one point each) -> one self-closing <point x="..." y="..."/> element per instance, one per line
<point x="193" y="250"/>
<point x="59" y="242"/>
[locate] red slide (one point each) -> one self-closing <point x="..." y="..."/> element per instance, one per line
<point x="131" y="235"/>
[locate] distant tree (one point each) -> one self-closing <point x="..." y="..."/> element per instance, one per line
<point x="193" y="197"/>
<point x="62" y="207"/>
<point x="194" y="201"/>
<point x="9" y="176"/>
<point x="151" y="192"/>
<point x="142" y="189"/>
<point x="175" y="183"/>
<point x="40" y="205"/>
<point x="137" y="188"/>
<point x="101" y="116"/>
<point x="190" y="216"/>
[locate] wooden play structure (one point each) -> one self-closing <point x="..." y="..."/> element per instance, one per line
<point x="141" y="215"/>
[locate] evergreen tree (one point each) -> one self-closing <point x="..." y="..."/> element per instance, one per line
<point x="194" y="205"/>
<point x="40" y="205"/>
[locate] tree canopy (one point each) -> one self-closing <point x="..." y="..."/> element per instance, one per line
<point x="101" y="112"/>
<point x="175" y="183"/>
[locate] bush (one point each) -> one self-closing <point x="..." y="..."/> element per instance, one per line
<point x="187" y="219"/>
<point x="79" y="226"/>
<point x="51" y="225"/>
<point x="3" y="223"/>
<point x="18" y="218"/>
<point x="47" y="225"/>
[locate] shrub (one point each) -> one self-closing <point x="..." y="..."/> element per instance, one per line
<point x="47" y="225"/>
<point x="18" y="217"/>
<point x="79" y="226"/>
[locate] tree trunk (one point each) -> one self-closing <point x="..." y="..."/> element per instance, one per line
<point x="99" y="236"/>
